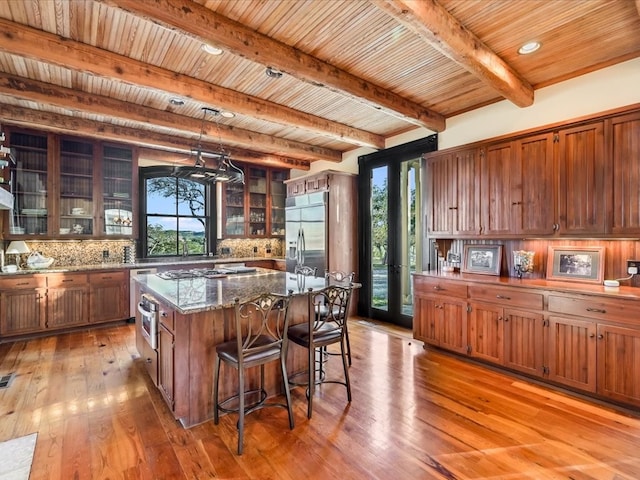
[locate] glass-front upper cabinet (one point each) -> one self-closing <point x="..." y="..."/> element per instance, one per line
<point x="255" y="209"/>
<point x="70" y="187"/>
<point x="234" y="209"/>
<point x="117" y="166"/>
<point x="278" y="192"/>
<point x="257" y="183"/>
<point x="76" y="187"/>
<point x="30" y="213"/>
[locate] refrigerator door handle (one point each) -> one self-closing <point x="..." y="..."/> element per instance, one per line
<point x="298" y="247"/>
<point x="303" y="246"/>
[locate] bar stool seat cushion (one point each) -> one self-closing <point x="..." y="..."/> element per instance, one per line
<point x="326" y="334"/>
<point x="228" y="351"/>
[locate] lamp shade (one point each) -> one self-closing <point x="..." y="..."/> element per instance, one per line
<point x="17" y="247"/>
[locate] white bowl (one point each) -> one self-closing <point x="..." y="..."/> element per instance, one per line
<point x="40" y="265"/>
<point x="10" y="269"/>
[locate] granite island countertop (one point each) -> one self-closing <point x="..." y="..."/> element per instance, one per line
<point x="194" y="295"/>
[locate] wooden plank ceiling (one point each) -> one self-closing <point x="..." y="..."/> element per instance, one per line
<point x="354" y="72"/>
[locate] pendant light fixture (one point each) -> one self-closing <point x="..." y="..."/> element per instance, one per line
<point x="225" y="170"/>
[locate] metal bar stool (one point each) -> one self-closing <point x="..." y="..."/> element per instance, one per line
<point x="264" y="321"/>
<point x="325" y="326"/>
<point x="346" y="279"/>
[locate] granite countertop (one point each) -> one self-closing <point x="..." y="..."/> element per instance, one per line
<point x="200" y="294"/>
<point x="177" y="263"/>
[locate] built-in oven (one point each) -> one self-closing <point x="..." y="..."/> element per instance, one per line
<point x="148" y="308"/>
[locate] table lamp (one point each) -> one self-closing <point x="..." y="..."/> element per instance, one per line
<point x="17" y="248"/>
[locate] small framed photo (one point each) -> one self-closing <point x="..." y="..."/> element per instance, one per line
<point x="576" y="264"/>
<point x="485" y="259"/>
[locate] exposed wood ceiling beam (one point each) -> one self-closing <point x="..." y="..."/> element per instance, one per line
<point x="429" y="20"/>
<point x="12" y="115"/>
<point x="74" y="100"/>
<point x="200" y="22"/>
<point x="45" y="47"/>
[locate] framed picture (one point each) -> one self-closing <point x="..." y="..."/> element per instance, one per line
<point x="576" y="264"/>
<point x="484" y="259"/>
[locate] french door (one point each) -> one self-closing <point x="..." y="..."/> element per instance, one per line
<point x="391" y="230"/>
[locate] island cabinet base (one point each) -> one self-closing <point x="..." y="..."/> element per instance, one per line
<point x="192" y="356"/>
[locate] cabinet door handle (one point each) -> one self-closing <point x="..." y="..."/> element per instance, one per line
<point x="67" y="280"/>
<point x="600" y="336"/>
<point x="453" y="208"/>
<point x="592" y="335"/>
<point x="22" y="283"/>
<point x="437" y="288"/>
<point x="163" y="314"/>
<point x="596" y="310"/>
<point x="503" y="297"/>
<point x="516" y="203"/>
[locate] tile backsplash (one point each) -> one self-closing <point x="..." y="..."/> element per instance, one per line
<point x="250" y="247"/>
<point x="68" y="253"/>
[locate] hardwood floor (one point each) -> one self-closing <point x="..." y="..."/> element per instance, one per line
<point x="416" y="414"/>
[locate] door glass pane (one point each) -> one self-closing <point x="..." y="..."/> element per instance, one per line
<point x="410" y="224"/>
<point x="379" y="238"/>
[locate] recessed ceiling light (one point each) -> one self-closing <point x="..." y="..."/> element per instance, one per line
<point x="210" y="49"/>
<point x="226" y="114"/>
<point x="529" y="47"/>
<point x="176" y="101"/>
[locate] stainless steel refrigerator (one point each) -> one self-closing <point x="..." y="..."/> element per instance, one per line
<point x="306" y="233"/>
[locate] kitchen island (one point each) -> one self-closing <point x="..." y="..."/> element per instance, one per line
<point x="194" y="315"/>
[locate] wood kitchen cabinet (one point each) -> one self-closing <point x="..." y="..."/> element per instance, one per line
<point x="22" y="305"/>
<point x="618" y="368"/>
<point x="68" y="187"/>
<point x="576" y="179"/>
<point x="76" y="203"/>
<point x="453" y="199"/>
<point x="441" y="313"/>
<point x="32" y="183"/>
<point x="255" y="209"/>
<point x="587" y="342"/>
<point x="67" y="300"/>
<point x="339" y="190"/>
<point x="109" y="296"/>
<point x="50" y="301"/>
<point x="518" y="187"/>
<point x="505" y="327"/>
<point x="594" y="345"/>
<point x="166" y="354"/>
<point x="582" y="177"/>
<point x="625" y="146"/>
<point x="572" y="352"/>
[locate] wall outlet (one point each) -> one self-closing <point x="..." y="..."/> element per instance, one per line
<point x="633" y="267"/>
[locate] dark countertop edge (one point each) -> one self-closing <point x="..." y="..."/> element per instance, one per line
<point x="136" y="265"/>
<point x="623" y="292"/>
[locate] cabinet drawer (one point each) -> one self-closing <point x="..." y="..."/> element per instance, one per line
<point x="66" y="280"/>
<point x="22" y="281"/>
<point x="110" y="276"/>
<point x="624" y="311"/>
<point x="507" y="297"/>
<point x="432" y="285"/>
